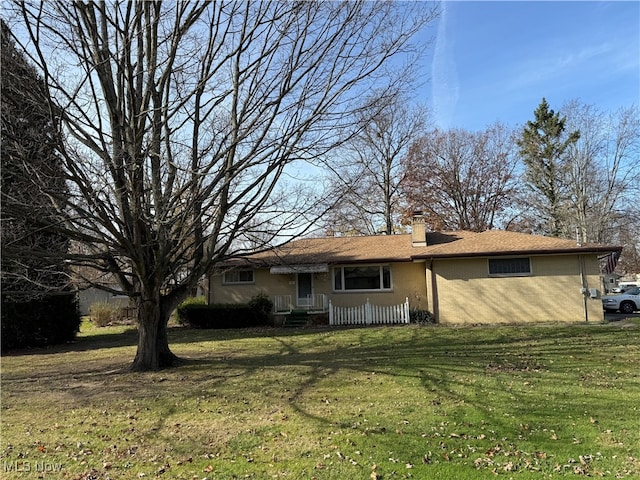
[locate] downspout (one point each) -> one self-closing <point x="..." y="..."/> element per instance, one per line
<point x="434" y="293"/>
<point x="585" y="288"/>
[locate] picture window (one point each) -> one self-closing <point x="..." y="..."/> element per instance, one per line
<point x="369" y="277"/>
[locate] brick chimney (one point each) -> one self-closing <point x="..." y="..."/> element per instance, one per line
<point x="418" y="230"/>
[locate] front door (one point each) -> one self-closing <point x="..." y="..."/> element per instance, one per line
<point x="305" y="288"/>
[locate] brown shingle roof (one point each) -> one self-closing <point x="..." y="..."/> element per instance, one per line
<point x="500" y="242"/>
<point x="398" y="248"/>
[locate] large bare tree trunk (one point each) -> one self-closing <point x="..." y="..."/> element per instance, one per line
<point x="182" y="119"/>
<point x="153" y="343"/>
<point x="153" y="346"/>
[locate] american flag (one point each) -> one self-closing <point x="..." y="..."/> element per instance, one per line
<point x="611" y="262"/>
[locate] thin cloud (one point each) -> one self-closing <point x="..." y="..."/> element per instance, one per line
<point x="445" y="88"/>
<point x="548" y="68"/>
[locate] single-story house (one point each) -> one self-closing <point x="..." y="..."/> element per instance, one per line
<point x="460" y="276"/>
<point x="92" y="295"/>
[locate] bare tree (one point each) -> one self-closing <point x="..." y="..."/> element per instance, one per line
<point x="181" y="119"/>
<point x="603" y="172"/>
<point x="462" y="180"/>
<point x="368" y="176"/>
<point x="628" y="237"/>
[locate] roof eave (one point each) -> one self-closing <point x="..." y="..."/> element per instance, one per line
<point x="504" y="253"/>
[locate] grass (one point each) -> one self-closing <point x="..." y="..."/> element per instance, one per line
<point x="365" y="403"/>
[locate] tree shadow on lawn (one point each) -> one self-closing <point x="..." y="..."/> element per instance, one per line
<point x="450" y="343"/>
<point x="185" y="335"/>
<point x="444" y="369"/>
<point x="435" y="366"/>
<point x="83" y="343"/>
<point x="177" y="335"/>
<point x="445" y="364"/>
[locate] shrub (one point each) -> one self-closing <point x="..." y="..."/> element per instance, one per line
<point x="37" y="323"/>
<point x="188" y="302"/>
<point x="103" y="313"/>
<point x="255" y="314"/>
<point x="262" y="305"/>
<point x="422" y="317"/>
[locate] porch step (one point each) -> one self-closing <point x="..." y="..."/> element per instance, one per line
<point x="296" y="319"/>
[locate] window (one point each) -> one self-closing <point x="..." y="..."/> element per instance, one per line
<point x="375" y="277"/>
<point x="238" y="276"/>
<point x="510" y="266"/>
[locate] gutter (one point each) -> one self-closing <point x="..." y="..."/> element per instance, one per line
<point x="585" y="288"/>
<point x="435" y="307"/>
<point x="501" y="253"/>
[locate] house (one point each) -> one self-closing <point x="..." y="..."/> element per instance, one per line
<point x="461" y="277"/>
<point x="610" y="281"/>
<point x="91" y="295"/>
<point x="95" y="287"/>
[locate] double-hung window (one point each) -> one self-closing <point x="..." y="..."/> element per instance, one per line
<point x="238" y="276"/>
<point x="369" y="277"/>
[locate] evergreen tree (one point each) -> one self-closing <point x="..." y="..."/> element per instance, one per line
<point x="543" y="148"/>
<point x="31" y="176"/>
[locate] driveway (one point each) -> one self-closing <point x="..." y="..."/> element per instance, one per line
<point x="616" y="317"/>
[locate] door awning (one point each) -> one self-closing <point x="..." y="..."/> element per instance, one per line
<point x="310" y="268"/>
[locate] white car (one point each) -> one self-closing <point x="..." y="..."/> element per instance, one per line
<point x="627" y="302"/>
<point x="624" y="286"/>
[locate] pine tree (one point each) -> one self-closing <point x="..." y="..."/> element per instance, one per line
<point x="31" y="176"/>
<point x="542" y="147"/>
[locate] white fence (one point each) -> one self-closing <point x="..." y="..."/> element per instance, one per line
<point x="369" y="314"/>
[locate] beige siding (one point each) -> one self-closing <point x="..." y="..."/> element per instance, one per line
<point x="467" y="294"/>
<point x="408" y="280"/>
<point x="458" y="290"/>
<point x="264" y="283"/>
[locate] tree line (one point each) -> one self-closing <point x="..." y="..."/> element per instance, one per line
<point x="571" y="173"/>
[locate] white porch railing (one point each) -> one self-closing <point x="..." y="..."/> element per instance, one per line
<point x="282" y="303"/>
<point x="369" y="314"/>
<point x="316" y="302"/>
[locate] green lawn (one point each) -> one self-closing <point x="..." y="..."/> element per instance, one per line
<point x="365" y="403"/>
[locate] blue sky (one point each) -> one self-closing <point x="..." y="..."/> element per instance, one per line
<point x="494" y="61"/>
